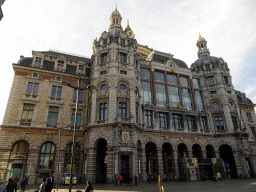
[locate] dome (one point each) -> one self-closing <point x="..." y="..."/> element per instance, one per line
<point x="116" y="13"/>
<point x="199" y="62"/>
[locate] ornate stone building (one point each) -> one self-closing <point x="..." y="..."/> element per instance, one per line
<point x="148" y="114"/>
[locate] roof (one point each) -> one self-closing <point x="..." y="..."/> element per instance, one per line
<point x="163" y="59"/>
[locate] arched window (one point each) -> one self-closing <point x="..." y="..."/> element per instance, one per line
<point x="47" y="155"/>
<point x="20" y="147"/>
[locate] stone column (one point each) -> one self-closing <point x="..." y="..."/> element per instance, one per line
<point x="204" y="154"/>
<point x="190" y="154"/>
<point x="91" y="165"/>
<point x="93" y="107"/>
<point x="176" y="166"/>
<point x="160" y="162"/>
<point x="143" y="166"/>
<point x="110" y="166"/>
<point x="239" y="167"/>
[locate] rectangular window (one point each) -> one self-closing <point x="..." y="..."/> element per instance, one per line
<point x="103" y="72"/>
<point x="123" y="110"/>
<point x="56" y="92"/>
<point x="160" y="95"/>
<point x="199" y="101"/>
<point x="159" y="76"/>
<point x="32" y="89"/>
<point x="144" y="73"/>
<point x="249" y="117"/>
<point x="80" y="68"/>
<point x="123" y="72"/>
<point x="123" y="57"/>
<point x="105" y="42"/>
<point x="27" y="114"/>
<point x="210" y="81"/>
<point x="196" y="83"/>
<point x="184" y="81"/>
<point x="207" y="67"/>
<point x="226" y="80"/>
<point x="35" y="74"/>
<point x="219" y="123"/>
<point x="204" y="123"/>
<point x="104" y="57"/>
<point x="174" y="97"/>
<point x="162" y="120"/>
<point x="60" y="66"/>
<point x="253" y="132"/>
<point x="123" y="42"/>
<point x="80" y="96"/>
<point x="235" y="124"/>
<point x="38" y="62"/>
<point x="53" y="116"/>
<point x="148" y="118"/>
<point x="73" y="116"/>
<point x="191" y="120"/>
<point x="186" y="99"/>
<point x="172" y="79"/>
<point x="103" y="111"/>
<point x="176" y="121"/>
<point x="137" y="114"/>
<point x="146" y="95"/>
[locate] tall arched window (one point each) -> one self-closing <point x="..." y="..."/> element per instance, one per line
<point x="47" y="155"/>
<point x="20" y="147"/>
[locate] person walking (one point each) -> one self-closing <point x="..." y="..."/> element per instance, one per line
<point x="135" y="180"/>
<point x="116" y="179"/>
<point x="2" y="186"/>
<point x="42" y="186"/>
<point x="88" y="187"/>
<point x="120" y="179"/>
<point x="11" y="186"/>
<point x="48" y="186"/>
<point x="160" y="184"/>
<point x="218" y="176"/>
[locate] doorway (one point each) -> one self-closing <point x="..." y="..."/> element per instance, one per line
<point x="125" y="168"/>
<point x="101" y="166"/>
<point x="16" y="170"/>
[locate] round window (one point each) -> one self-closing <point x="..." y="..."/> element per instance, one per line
<point x="103" y="87"/>
<point x="215" y="104"/>
<point x="230" y="104"/>
<point x="122" y="87"/>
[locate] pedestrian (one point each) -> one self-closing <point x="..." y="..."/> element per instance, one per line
<point x="135" y="180"/>
<point x="116" y="179"/>
<point x="2" y="186"/>
<point x="23" y="185"/>
<point x="11" y="186"/>
<point x="16" y="181"/>
<point x="42" y="186"/>
<point x="52" y="178"/>
<point x="49" y="186"/>
<point x="88" y="187"/>
<point x="120" y="179"/>
<point x="160" y="184"/>
<point x="218" y="176"/>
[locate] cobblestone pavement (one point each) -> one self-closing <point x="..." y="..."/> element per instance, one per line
<point x="223" y="186"/>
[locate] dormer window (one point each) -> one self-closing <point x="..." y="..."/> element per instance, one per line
<point x="104" y="57"/>
<point x="38" y="62"/>
<point x="105" y="42"/>
<point x="80" y="68"/>
<point x="123" y="42"/>
<point x="60" y="66"/>
<point x="123" y="57"/>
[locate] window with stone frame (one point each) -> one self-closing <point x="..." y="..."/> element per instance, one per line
<point x="219" y="123"/>
<point x="80" y="68"/>
<point x="204" y="123"/>
<point x="253" y="132"/>
<point x="123" y="57"/>
<point x="148" y="117"/>
<point x="146" y="93"/>
<point x="122" y="110"/>
<point x="104" y="58"/>
<point x="162" y="120"/>
<point x="235" y="122"/>
<point x="177" y="122"/>
<point x="103" y="111"/>
<point x="80" y="96"/>
<point x="56" y="93"/>
<point x="27" y="114"/>
<point x="32" y="89"/>
<point x="60" y="65"/>
<point x="73" y="116"/>
<point x="249" y="117"/>
<point x="161" y="95"/>
<point x="123" y="42"/>
<point x="52" y="116"/>
<point x="226" y="80"/>
<point x="191" y="122"/>
<point x="46" y="156"/>
<point x="186" y="98"/>
<point x="207" y="67"/>
<point x="174" y="96"/>
<point x="38" y="62"/>
<point x="210" y="81"/>
<point x="105" y="41"/>
<point x="199" y="101"/>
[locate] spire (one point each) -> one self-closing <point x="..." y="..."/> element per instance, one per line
<point x="128" y="30"/>
<point x="127" y="22"/>
<point x="202" y="46"/>
<point x="115" y="21"/>
<point x="116" y="7"/>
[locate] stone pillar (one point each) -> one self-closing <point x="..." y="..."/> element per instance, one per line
<point x="176" y="166"/>
<point x="32" y="165"/>
<point x="143" y="166"/>
<point x="135" y="169"/>
<point x="239" y="167"/>
<point x="93" y="107"/>
<point x="204" y="154"/>
<point x="91" y="165"/>
<point x="217" y="154"/>
<point x="190" y="154"/>
<point x="110" y="166"/>
<point x="160" y="162"/>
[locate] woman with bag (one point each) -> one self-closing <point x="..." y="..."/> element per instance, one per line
<point x="160" y="183"/>
<point x="88" y="187"/>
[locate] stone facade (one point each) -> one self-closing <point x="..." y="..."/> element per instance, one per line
<point x="140" y="112"/>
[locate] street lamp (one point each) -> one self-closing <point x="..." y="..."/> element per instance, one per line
<point x="75" y="124"/>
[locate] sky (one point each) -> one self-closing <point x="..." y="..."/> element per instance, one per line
<point x="168" y="26"/>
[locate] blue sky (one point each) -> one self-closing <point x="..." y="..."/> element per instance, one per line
<point x="169" y="26"/>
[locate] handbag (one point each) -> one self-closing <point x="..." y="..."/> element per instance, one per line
<point x="162" y="189"/>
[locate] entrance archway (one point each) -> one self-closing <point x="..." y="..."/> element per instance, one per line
<point x="151" y="160"/>
<point x="210" y="152"/>
<point x="229" y="162"/>
<point x="197" y="152"/>
<point x="182" y="155"/>
<point x="101" y="166"/>
<point x="168" y="162"/>
<point x="182" y="150"/>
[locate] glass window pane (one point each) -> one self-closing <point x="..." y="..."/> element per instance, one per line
<point x="159" y="76"/>
<point x="29" y="88"/>
<point x="49" y="120"/>
<point x="53" y="91"/>
<point x="43" y="148"/>
<point x="171" y="79"/>
<point x="59" y="92"/>
<point x="196" y="83"/>
<point x="53" y="149"/>
<point x="186" y="99"/>
<point x="183" y="81"/>
<point x="48" y="148"/>
<point x="81" y="95"/>
<point x="173" y="95"/>
<point x="160" y="95"/>
<point x="35" y="91"/>
<point x="144" y="73"/>
<point x="199" y="102"/>
<point x="146" y="92"/>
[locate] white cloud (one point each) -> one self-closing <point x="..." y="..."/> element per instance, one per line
<point x="249" y="89"/>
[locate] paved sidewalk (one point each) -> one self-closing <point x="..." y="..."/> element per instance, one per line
<point x="172" y="186"/>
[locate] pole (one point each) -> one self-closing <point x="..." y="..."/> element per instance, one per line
<point x="58" y="162"/>
<point x="74" y="138"/>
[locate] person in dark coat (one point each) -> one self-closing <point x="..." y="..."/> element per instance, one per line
<point x="49" y="186"/>
<point x="12" y="186"/>
<point x="88" y="187"/>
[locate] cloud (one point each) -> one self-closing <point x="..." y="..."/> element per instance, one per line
<point x="249" y="89"/>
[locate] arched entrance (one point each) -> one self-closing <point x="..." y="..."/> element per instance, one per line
<point x="139" y="149"/>
<point x="210" y="152"/>
<point x="101" y="166"/>
<point x="151" y="160"/>
<point x="229" y="162"/>
<point x="168" y="160"/>
<point x="197" y="171"/>
<point x="182" y="155"/>
<point x="210" y="166"/>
